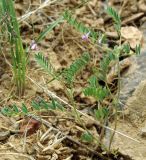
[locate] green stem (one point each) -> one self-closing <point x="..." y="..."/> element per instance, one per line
<point x="117" y="99"/>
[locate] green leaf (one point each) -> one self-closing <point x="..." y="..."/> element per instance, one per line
<point x="87" y="137"/>
<point x="93" y="81"/>
<point x="138" y="49"/>
<point x="24" y="108"/>
<point x="98" y="93"/>
<point x="70" y="73"/>
<point x="53" y="104"/>
<point x="126" y="48"/>
<point x="104" y="64"/>
<point x="116" y="17"/>
<point x="59" y="106"/>
<point x="41" y="60"/>
<point x="50" y="106"/>
<point x="35" y="105"/>
<point x="114" y="14"/>
<point x="44" y="104"/>
<point x="56" y="105"/>
<point x="48" y="29"/>
<point x="101" y="113"/>
<point x="15" y="109"/>
<point x="6" y="111"/>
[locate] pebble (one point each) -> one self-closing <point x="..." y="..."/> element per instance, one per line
<point x="39" y="90"/>
<point x="4" y="76"/>
<point x="143" y="132"/>
<point x="4" y="135"/>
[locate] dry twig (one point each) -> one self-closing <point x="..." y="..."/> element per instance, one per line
<point x="132" y="18"/>
<point x="43" y="5"/>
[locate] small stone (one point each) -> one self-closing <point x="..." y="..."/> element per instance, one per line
<point x="143" y="132"/>
<point x="40" y="91"/>
<point x="4" y="135"/>
<point x="4" y="77"/>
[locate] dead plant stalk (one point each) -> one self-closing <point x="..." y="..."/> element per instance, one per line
<point x="43" y="5"/>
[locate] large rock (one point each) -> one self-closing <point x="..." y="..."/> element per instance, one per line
<point x="133" y="97"/>
<point x="133" y="88"/>
<point x="135" y="103"/>
<point x="133" y="77"/>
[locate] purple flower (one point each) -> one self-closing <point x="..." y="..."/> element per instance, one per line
<point x="85" y="36"/>
<point x="33" y="45"/>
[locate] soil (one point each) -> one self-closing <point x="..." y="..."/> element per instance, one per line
<point x="62" y="46"/>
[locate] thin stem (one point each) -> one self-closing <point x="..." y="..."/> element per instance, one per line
<point x="74" y="106"/>
<point x="117" y="99"/>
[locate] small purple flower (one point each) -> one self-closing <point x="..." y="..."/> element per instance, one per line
<point x="85" y="36"/>
<point x="33" y="45"/>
